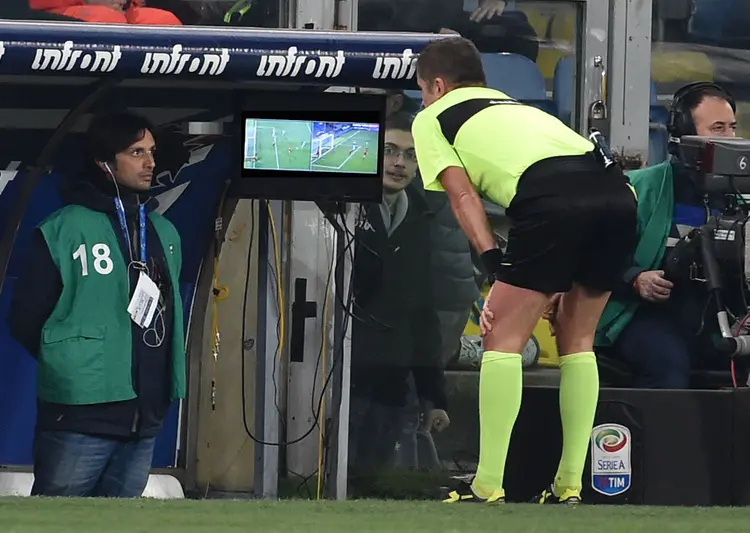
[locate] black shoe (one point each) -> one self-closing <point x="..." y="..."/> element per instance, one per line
<point x="465" y="494"/>
<point x="548" y="496"/>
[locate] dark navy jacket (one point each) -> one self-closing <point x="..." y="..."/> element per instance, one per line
<point x="36" y="295"/>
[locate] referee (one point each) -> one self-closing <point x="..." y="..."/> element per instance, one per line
<point x="574" y="227"/>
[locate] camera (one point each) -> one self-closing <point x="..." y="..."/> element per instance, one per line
<point x="718" y="250"/>
<point x="722" y="163"/>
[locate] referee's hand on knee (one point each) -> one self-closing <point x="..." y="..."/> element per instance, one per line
<point x="485" y="320"/>
<point x="550" y="312"/>
<point x="486" y="316"/>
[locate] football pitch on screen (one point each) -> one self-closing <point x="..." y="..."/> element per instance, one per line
<point x="343" y="157"/>
<point x="278" y="144"/>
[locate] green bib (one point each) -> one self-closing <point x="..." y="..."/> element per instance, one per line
<point x="85" y="356"/>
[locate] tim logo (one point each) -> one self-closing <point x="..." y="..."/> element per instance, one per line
<point x="610" y="459"/>
<point x="2" y="49"/>
<point x="68" y="58"/>
<point x="294" y="62"/>
<point x="401" y="67"/>
<point x="177" y="61"/>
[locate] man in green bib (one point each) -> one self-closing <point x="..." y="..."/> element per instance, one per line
<point x="574" y="228"/>
<point x="99" y="307"/>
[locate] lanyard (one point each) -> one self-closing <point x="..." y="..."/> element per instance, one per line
<point x="124" y="226"/>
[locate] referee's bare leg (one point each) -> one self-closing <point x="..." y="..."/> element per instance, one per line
<point x="514" y="313"/>
<point x="507" y="323"/>
<point x="575" y="325"/>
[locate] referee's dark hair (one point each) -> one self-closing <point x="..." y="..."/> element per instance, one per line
<point x="454" y="59"/>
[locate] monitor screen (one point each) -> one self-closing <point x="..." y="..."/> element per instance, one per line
<point x="314" y="146"/>
<point x="320" y="146"/>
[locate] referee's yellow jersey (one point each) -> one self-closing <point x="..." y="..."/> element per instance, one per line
<point x="494" y="138"/>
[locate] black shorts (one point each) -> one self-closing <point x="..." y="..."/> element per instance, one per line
<point x="573" y="222"/>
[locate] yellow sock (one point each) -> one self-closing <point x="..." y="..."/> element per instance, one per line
<point x="579" y="394"/>
<point x="500" y="389"/>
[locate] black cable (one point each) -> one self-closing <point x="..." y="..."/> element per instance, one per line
<point x="319" y="360"/>
<point x="369" y="320"/>
<point x="339" y="354"/>
<point x="741" y="258"/>
<point x="740" y="201"/>
<point x="329" y="377"/>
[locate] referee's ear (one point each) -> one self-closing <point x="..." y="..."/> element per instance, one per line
<point x="440" y="86"/>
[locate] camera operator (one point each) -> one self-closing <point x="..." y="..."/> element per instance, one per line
<point x="653" y="323"/>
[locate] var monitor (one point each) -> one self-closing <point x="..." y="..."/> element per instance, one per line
<point x="328" y="149"/>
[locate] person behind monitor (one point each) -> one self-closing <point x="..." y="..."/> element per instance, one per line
<point x="395" y="333"/>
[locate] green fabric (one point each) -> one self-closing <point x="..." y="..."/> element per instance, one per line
<point x="655" y="191"/>
<point x="500" y="390"/>
<point x="579" y="394"/>
<point x="85" y="355"/>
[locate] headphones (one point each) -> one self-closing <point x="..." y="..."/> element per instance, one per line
<point x="680" y="120"/>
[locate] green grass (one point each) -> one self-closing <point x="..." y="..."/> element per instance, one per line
<point x="341" y="158"/>
<point x="287" y="145"/>
<point x="34" y="515"/>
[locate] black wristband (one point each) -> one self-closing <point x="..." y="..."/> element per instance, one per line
<point x="492" y="260"/>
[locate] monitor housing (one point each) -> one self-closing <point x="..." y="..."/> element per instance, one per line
<point x="306" y="145"/>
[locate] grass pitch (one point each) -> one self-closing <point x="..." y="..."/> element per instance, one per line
<point x="343" y="159"/>
<point x="279" y="145"/>
<point x="287" y="145"/>
<point x="35" y="515"/>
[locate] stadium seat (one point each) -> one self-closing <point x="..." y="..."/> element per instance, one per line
<point x="518" y="77"/>
<point x="658" y="137"/>
<point x="708" y="19"/>
<point x="563" y="88"/>
<point x="515" y="75"/>
<point x="548" y="106"/>
<point x="720" y="22"/>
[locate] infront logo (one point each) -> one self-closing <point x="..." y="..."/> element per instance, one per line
<point x="402" y="67"/>
<point x="68" y="58"/>
<point x="177" y="61"/>
<point x="296" y="61"/>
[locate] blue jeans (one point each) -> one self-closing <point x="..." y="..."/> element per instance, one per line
<point x="79" y="465"/>
<point x="657" y="348"/>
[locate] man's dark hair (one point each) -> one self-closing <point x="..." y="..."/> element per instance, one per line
<point x="694" y="99"/>
<point x="454" y="59"/>
<point x="112" y="133"/>
<point x="399" y="121"/>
